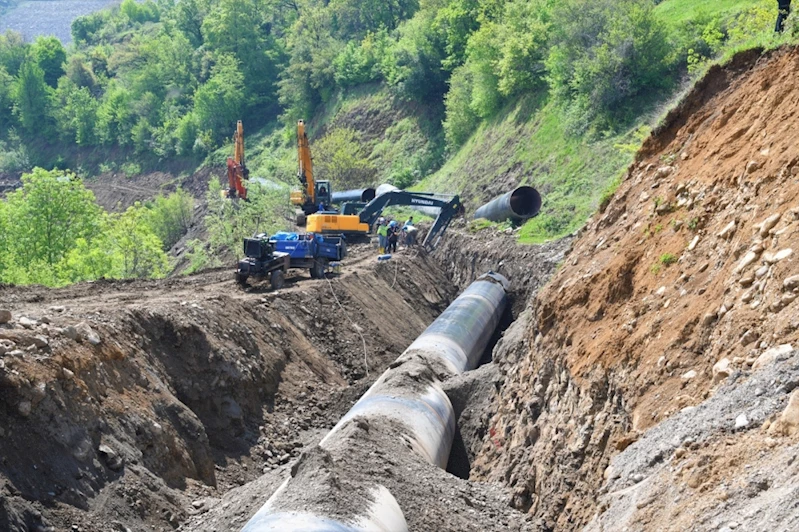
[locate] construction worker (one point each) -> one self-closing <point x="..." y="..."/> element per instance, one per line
<point x="393" y="236"/>
<point x="410" y="235"/>
<point x="783" y="9"/>
<point x="408" y="222"/>
<point x="382" y="236"/>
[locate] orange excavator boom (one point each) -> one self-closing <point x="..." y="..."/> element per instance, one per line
<point x="237" y="171"/>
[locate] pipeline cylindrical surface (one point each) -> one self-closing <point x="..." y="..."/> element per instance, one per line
<point x="406" y="407"/>
<point x="518" y="205"/>
<point x="363" y="194"/>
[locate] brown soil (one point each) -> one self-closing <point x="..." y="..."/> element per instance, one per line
<point x="196" y="385"/>
<point x="637" y="307"/>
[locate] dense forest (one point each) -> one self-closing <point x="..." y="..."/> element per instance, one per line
<point x="171" y="78"/>
<point x="162" y="80"/>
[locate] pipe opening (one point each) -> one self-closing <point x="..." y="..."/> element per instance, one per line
<point x="525" y="202"/>
<point x="368" y="195"/>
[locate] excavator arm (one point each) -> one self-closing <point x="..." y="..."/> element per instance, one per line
<point x="237" y="171"/>
<point x="304" y="169"/>
<point x="450" y="208"/>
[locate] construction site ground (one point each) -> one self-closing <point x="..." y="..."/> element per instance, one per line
<point x="651" y="384"/>
<point x="133" y="405"/>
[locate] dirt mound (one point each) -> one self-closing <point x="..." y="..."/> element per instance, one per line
<point x="124" y="402"/>
<point x="688" y="276"/>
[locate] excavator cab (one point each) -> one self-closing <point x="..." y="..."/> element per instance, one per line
<point x="324" y="195"/>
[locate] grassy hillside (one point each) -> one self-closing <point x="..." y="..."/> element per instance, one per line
<point x="527" y="145"/>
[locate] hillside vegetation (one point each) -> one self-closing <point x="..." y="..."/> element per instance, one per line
<point x="466" y="96"/>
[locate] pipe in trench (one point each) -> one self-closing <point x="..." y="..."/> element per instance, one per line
<point x="408" y="394"/>
<point x="518" y="205"/>
<point x="364" y="195"/>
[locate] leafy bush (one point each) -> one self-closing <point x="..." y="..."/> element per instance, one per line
<point x="170" y="216"/>
<point x="67" y="237"/>
<point x="461" y="120"/>
<point x="606" y="53"/>
<point x="228" y="222"/>
<point x="340" y="157"/>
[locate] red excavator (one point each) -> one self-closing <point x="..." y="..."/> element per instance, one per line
<point x="237" y="171"/>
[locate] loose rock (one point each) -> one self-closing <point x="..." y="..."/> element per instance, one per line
<point x="721" y="370"/>
<point x="688" y="375"/>
<point x="770" y="355"/>
<point x="789" y="419"/>
<point x="767" y="224"/>
<point x="791" y="282"/>
<point x="5" y="315"/>
<point x="87" y="334"/>
<point x="112" y="459"/>
<point x="741" y="421"/>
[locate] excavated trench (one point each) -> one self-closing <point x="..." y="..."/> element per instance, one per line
<point x="150" y="404"/>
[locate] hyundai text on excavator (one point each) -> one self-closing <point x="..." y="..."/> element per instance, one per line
<point x="237" y="171"/>
<point x="313" y="193"/>
<point x="358" y="226"/>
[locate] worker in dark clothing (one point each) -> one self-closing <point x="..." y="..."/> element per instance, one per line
<point x="393" y="229"/>
<point x="783" y="9"/>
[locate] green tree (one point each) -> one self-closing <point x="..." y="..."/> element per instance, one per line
<point x="524" y="45"/>
<point x="355" y="18"/>
<point x="31" y="97"/>
<point x="309" y="78"/>
<point x="75" y="112"/>
<point x="13" y="51"/>
<point x="460" y="119"/>
<point x="6" y="98"/>
<point x="482" y="54"/>
<point x="413" y="64"/>
<point x="125" y="247"/>
<point x="84" y="29"/>
<point x="115" y="117"/>
<point x="456" y="21"/>
<point x="170" y="216"/>
<point x="49" y="54"/>
<point x="219" y="102"/>
<point x="140" y="12"/>
<point x="189" y="15"/>
<point x="238" y="28"/>
<point x="605" y="54"/>
<point x="57" y="210"/>
<point x="138" y="252"/>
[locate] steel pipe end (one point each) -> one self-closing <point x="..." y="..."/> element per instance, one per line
<point x="368" y="194"/>
<point x="519" y="204"/>
<point x="525" y="202"/>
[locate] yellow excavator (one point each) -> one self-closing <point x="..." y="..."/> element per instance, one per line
<point x="237" y="172"/>
<point x="314" y="195"/>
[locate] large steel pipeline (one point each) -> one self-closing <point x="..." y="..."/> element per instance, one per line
<point x="362" y="194"/>
<point x="518" y="205"/>
<point x="409" y="400"/>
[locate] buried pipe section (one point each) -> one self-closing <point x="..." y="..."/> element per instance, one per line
<point x="517" y="205"/>
<point x="364" y="195"/>
<point x="408" y="403"/>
